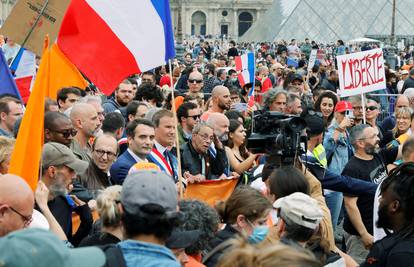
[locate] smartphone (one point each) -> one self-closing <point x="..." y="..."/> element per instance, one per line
<point x="349" y="114"/>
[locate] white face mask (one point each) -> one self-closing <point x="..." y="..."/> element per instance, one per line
<point x="274" y="216"/>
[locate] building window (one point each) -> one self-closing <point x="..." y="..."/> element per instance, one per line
<point x="224" y="13"/>
<point x="198" y="23"/>
<point x="245" y="22"/>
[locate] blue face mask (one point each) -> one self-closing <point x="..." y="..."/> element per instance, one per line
<point x="259" y="234"/>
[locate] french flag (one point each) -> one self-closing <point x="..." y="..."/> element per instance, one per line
<point x="245" y="65"/>
<point x="110" y="40"/>
<point x="24" y="69"/>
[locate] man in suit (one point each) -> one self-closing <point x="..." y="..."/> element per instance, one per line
<point x="140" y="136"/>
<point x="162" y="154"/>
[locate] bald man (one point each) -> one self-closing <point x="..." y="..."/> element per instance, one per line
<point x="86" y="122"/>
<point x="220" y="99"/>
<point x="16" y="204"/>
<point x="195" y="82"/>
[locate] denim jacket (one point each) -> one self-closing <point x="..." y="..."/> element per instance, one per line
<point x="338" y="153"/>
<point x="145" y="254"/>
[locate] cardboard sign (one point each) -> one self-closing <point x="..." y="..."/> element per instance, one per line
<point x="24" y="15"/>
<point x="361" y="72"/>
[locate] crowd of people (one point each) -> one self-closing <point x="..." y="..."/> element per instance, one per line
<point x="113" y="168"/>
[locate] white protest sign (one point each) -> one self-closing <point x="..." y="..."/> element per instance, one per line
<point x="312" y="59"/>
<point x="361" y="72"/>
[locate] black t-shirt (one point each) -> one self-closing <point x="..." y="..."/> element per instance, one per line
<point x="374" y="170"/>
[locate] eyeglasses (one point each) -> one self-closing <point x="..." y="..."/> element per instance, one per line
<point x="26" y="219"/>
<point x="194" y="81"/>
<point x="67" y="133"/>
<point x="371" y="108"/>
<point x="195" y="117"/>
<point x="206" y="137"/>
<point x="101" y="153"/>
<point x="315" y="113"/>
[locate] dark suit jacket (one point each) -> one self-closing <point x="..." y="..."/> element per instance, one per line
<point x="120" y="168"/>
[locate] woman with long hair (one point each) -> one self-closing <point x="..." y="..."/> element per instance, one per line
<point x="325" y="104"/>
<point x="240" y="158"/>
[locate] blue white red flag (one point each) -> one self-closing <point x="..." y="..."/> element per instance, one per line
<point x="245" y="65"/>
<point x="7" y="83"/>
<point x="110" y="40"/>
<point x="24" y="70"/>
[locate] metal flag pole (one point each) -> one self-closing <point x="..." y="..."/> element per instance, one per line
<point x="180" y="177"/>
<point x="46" y="3"/>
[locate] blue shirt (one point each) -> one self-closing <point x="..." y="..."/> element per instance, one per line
<point x="143" y="254"/>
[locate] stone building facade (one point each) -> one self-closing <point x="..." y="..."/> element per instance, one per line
<point x="5" y="8"/>
<point x="231" y="18"/>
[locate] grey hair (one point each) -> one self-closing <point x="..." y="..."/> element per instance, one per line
<point x="199" y="216"/>
<point x="91" y="98"/>
<point x="199" y="126"/>
<point x="291" y="98"/>
<point x="271" y="95"/>
<point x="356" y="133"/>
<point x="356" y="100"/>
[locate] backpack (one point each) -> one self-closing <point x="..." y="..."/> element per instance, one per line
<point x="114" y="256"/>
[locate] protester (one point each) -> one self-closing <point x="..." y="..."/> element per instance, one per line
<point x="179" y="241"/>
<point x="136" y="110"/>
<point x="122" y="96"/>
<point x="240" y="158"/>
<point x="402" y="129"/>
<point x="188" y="115"/>
<point x="245" y="214"/>
<point x="275" y="100"/>
<point x="16" y="204"/>
<point x="96" y="102"/>
<point x="395" y="213"/>
<point x="140" y="134"/>
<point x="58" y="128"/>
<point x="356" y="103"/>
<point x="389" y="122"/>
<point x="10" y="111"/>
<point x="42" y="248"/>
<point x="197" y="161"/>
<point x="148" y="220"/>
<point x="220" y="101"/>
<point x="293" y="104"/>
<point x="114" y="125"/>
<point x="326" y="103"/>
<point x="109" y="218"/>
<point x="85" y="121"/>
<point x="67" y="97"/>
<point x="59" y="169"/>
<point x="6" y="149"/>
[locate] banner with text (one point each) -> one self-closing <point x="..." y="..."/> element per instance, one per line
<point x="361" y="72"/>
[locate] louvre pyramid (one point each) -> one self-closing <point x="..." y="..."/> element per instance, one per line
<point x="329" y="20"/>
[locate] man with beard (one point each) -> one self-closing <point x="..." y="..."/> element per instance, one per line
<point x="123" y="95"/>
<point x="198" y="162"/>
<point x="395" y="213"/>
<point x="59" y="168"/>
<point x="86" y="122"/>
<point x="221" y="101"/>
<point x="369" y="163"/>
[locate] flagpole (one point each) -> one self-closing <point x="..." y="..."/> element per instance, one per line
<point x="180" y="178"/>
<point x="31" y="29"/>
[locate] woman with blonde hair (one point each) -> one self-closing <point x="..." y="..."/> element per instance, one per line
<point x="6" y="149"/>
<point x="402" y="129"/>
<point x="110" y="218"/>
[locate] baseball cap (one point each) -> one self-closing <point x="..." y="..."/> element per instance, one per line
<point x="38" y="247"/>
<point x="341" y="106"/>
<point x="297" y="76"/>
<point x="277" y="65"/>
<point x="55" y="154"/>
<point x="149" y="187"/>
<point x="300" y="209"/>
<point x="182" y="239"/>
<point x="404" y="72"/>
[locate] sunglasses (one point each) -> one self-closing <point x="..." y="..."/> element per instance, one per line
<point x="195" y="117"/>
<point x="67" y="133"/>
<point x="195" y="81"/>
<point x="371" y="108"/>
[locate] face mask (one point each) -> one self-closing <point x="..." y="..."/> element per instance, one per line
<point x="233" y="79"/>
<point x="259" y="234"/>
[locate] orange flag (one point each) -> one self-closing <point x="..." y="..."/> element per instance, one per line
<point x="211" y="191"/>
<point x="62" y="73"/>
<point x="27" y="151"/>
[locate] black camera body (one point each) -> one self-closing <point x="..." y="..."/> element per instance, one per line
<point x="278" y="135"/>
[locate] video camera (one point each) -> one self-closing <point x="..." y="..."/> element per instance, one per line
<point x="278" y="135"/>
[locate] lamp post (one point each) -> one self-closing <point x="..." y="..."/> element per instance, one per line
<point x="179" y="48"/>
